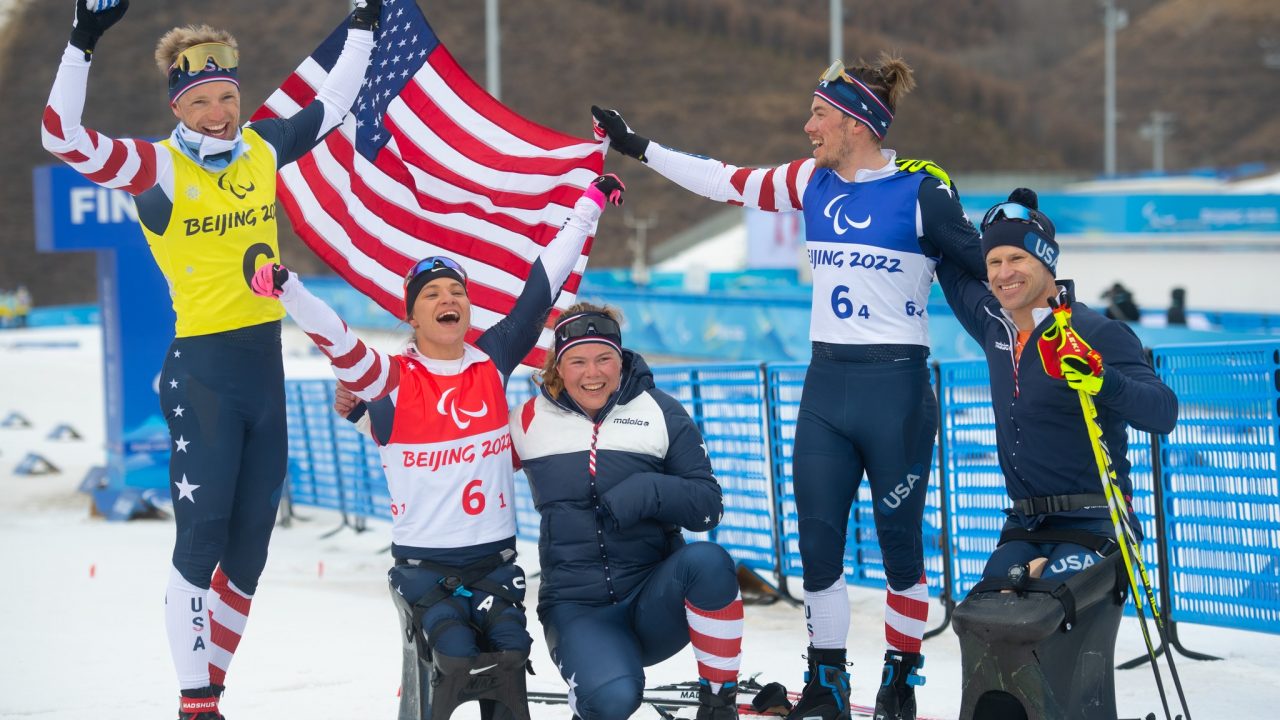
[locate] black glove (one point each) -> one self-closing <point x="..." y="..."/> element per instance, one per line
<point x="620" y="136"/>
<point x="88" y="25"/>
<point x="366" y="14"/>
<point x="611" y="188"/>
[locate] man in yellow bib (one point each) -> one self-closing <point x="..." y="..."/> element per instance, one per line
<point x="206" y="202"/>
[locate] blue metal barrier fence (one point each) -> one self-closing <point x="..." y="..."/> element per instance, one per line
<point x="1218" y="522"/>
<point x="1221" y="484"/>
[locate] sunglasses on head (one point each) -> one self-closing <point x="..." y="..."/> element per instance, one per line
<point x="834" y="73"/>
<point x="433" y="263"/>
<point x="587" y="325"/>
<point x="197" y="57"/>
<point x="1010" y="211"/>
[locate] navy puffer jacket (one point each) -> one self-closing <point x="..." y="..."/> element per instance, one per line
<point x="602" y="535"/>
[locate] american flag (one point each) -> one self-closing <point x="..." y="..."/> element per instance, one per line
<point x="428" y="163"/>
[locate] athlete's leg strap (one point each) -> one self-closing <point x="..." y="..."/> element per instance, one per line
<point x="461" y="581"/>
<point x="1095" y="542"/>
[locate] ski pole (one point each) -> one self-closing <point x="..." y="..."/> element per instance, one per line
<point x="1126" y="537"/>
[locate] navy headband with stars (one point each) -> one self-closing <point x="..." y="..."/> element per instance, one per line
<point x="853" y="98"/>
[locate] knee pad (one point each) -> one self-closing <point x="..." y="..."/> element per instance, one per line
<point x="617" y="698"/>
<point x="821" y="553"/>
<point x="1049" y="650"/>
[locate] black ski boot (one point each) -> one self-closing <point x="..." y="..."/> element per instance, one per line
<point x="897" y="697"/>
<point x="826" y="687"/>
<point x="722" y="705"/>
<point x="199" y="704"/>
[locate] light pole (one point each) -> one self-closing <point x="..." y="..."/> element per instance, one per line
<point x="639" y="245"/>
<point x="492" y="50"/>
<point x="837" y="30"/>
<point x="1160" y="127"/>
<point x="1112" y="20"/>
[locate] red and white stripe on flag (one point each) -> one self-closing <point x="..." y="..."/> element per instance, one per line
<point x="428" y="163"/>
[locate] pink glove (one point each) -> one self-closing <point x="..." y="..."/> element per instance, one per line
<point x="269" y="280"/>
<point x="605" y="188"/>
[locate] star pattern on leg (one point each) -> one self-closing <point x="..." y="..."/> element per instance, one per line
<point x="186" y="490"/>
<point x="177" y="411"/>
<point x="177" y="353"/>
<point x="182" y="444"/>
<point x="173" y="383"/>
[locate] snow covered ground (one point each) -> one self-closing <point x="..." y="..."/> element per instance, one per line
<point x="81" y="631"/>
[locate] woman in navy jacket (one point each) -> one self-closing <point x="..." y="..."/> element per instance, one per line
<point x="618" y="468"/>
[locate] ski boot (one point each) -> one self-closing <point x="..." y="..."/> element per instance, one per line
<point x="826" y="687"/>
<point x="199" y="704"/>
<point x="722" y="705"/>
<point x="897" y="697"/>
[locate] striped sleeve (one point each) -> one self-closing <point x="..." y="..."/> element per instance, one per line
<point x="365" y="371"/>
<point x="129" y="165"/>
<point x="775" y="189"/>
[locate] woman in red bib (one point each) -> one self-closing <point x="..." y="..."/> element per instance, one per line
<point x="438" y="413"/>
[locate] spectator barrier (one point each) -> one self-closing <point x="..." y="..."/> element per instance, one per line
<point x="1208" y="495"/>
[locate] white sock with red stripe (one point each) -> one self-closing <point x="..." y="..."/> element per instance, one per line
<point x="826" y="613"/>
<point x="186" y="618"/>
<point x="228" y="613"/>
<point x="905" y="614"/>
<point x="716" y="636"/>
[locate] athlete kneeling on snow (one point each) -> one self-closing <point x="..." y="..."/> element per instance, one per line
<point x="617" y="468"/>
<point x="1059" y="523"/>
<point x="438" y="413"/>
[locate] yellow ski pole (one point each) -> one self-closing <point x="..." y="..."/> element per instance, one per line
<point x="1126" y="537"/>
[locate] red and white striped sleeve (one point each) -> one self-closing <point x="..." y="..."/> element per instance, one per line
<point x="775" y="189"/>
<point x="365" y="371"/>
<point x="130" y="165"/>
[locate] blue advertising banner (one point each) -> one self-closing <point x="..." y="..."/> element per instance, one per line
<point x="1123" y="213"/>
<point x="73" y="214"/>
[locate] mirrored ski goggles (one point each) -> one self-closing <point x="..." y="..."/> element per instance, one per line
<point x="434" y="263"/>
<point x="198" y="58"/>
<point x="587" y="327"/>
<point x="1010" y="211"/>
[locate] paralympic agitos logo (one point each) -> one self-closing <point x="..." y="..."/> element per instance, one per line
<point x="240" y="191"/>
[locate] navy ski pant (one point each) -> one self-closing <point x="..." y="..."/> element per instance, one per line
<point x="1064" y="558"/>
<point x="602" y="651"/>
<point x="223" y="398"/>
<point x="880" y="418"/>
